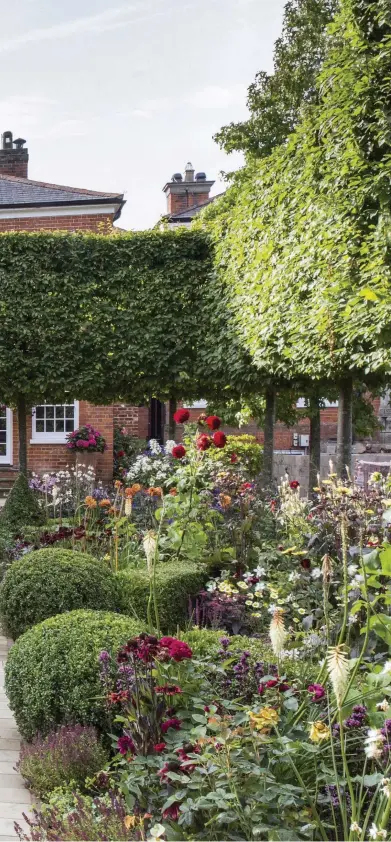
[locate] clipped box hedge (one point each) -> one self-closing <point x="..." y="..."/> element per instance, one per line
<point x="52" y="671"/>
<point x="47" y="582"/>
<point x="175" y="583"/>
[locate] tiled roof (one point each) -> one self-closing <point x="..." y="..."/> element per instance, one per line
<point x="16" y="191"/>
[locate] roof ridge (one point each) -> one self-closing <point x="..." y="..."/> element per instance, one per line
<point x="48" y="184"/>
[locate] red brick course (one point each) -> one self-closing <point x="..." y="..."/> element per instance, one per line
<point x="94" y="222"/>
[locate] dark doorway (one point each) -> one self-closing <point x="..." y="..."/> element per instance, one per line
<point x="157" y="418"/>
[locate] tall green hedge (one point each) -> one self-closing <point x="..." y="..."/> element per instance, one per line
<point x="176" y="582"/>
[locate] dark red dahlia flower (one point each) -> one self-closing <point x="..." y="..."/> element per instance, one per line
<point x="172" y="812"/>
<point x="294" y="484"/>
<point x="213" y="422"/>
<point x="181" y="416"/>
<point x="174" y="723"/>
<point x="317" y="692"/>
<point x="219" y="439"/>
<point x="177" y="649"/>
<point x="159" y="747"/>
<point x="306" y="563"/>
<point x="125" y="744"/>
<point x="203" y="442"/>
<point x="178" y="451"/>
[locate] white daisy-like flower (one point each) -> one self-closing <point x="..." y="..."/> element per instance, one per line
<point x="259" y="587"/>
<point x="352" y="569"/>
<point x="374" y="744"/>
<point x="377" y="833"/>
<point x="386" y="787"/>
<point x="353" y="618"/>
<point x="384" y="705"/>
<point x="355" y="827"/>
<point x="259" y="571"/>
<point x="316" y="573"/>
<point x="272" y="608"/>
<point x="294" y="576"/>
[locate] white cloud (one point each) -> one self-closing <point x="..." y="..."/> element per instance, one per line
<point x="101" y="22"/>
<point x="139" y="112"/>
<point x="26" y="111"/>
<point x="214" y="96"/>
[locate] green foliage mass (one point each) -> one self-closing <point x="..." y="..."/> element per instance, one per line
<point x="302" y="237"/>
<point x="275" y="100"/>
<point x="21" y="508"/>
<point x="47" y="582"/>
<point x="175" y="583"/>
<point x="52" y="671"/>
<point x="246" y="448"/>
<point x="94" y="296"/>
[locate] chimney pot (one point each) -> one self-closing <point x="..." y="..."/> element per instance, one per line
<point x="189" y="172"/>
<point x="13" y="156"/>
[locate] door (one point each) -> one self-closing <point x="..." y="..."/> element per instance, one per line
<point x="5" y="435"/>
<point x="156" y="420"/>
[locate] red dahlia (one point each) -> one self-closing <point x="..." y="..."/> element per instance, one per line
<point x="213" y="422"/>
<point x="203" y="442"/>
<point x="181" y="416"/>
<point x="219" y="439"/>
<point x="294" y="484"/>
<point x="178" y="451"/>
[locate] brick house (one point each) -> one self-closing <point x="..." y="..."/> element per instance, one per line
<point x="27" y="205"/>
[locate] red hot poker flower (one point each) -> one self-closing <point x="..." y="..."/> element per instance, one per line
<point x="178" y="451"/>
<point x="213" y="422"/>
<point x="181" y="416"/>
<point x="219" y="439"/>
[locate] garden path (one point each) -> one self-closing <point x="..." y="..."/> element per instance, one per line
<point x="14" y="797"/>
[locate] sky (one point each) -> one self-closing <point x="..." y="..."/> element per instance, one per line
<point x="119" y="96"/>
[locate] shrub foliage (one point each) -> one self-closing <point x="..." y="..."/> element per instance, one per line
<point x="51" y="581"/>
<point x="52" y="671"/>
<point x="175" y="582"/>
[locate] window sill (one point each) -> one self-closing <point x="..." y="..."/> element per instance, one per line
<point x="46" y="440"/>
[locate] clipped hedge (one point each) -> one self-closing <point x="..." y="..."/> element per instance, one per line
<point x="21" y="508"/>
<point x="175" y="582"/>
<point x="52" y="671"/>
<point x="47" y="582"/>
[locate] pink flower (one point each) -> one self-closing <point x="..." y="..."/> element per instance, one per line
<point x="177" y="649"/>
<point x="317" y="692"/>
<point x="80" y="443"/>
<point x="84" y="443"/>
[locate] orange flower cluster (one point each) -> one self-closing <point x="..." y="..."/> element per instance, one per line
<point x="134" y="489"/>
<point x="90" y="502"/>
<point x="225" y="500"/>
<point x="155" y="492"/>
<point x="173" y="492"/>
<point x="105" y="503"/>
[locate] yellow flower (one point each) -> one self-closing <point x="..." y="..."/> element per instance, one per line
<point x="243" y="586"/>
<point x="118" y="483"/>
<point x="301" y="611"/>
<point x="90" y="502"/>
<point x="130" y="821"/>
<point x="319" y="732"/>
<point x="266" y="718"/>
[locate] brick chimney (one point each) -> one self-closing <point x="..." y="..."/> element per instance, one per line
<point x="187" y="191"/>
<point x="13" y="157"/>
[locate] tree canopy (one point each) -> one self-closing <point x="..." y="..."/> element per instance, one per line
<point x="275" y="100"/>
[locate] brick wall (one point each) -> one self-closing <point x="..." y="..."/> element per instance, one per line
<point x="89" y="222"/>
<point x="53" y="457"/>
<point x="135" y="419"/>
<point x="182" y="201"/>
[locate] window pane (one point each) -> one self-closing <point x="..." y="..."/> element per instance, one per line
<point x="69" y="425"/>
<point x="40" y="426"/>
<point x="3" y="423"/>
<point x="3" y="449"/>
<point x="3" y="436"/>
<point x="60" y="411"/>
<point x="59" y="426"/>
<point x="50" y="426"/>
<point x="39" y="411"/>
<point x="70" y="411"/>
<point x="50" y="412"/>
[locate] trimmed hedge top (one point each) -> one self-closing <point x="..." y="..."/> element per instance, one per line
<point x="47" y="582"/>
<point x="52" y="671"/>
<point x="175" y="583"/>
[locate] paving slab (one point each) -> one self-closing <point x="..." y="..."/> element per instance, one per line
<point x="14" y="797"/>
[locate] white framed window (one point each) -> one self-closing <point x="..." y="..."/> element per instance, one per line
<point x="196" y="405"/>
<point x="51" y="422"/>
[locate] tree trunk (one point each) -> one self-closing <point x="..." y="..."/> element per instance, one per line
<point x="268" y="433"/>
<point x="345" y="428"/>
<point x="314" y="469"/>
<point x="172" y="407"/>
<point x="22" y="425"/>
